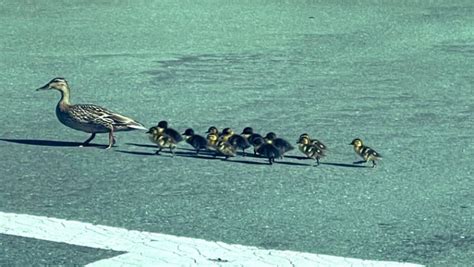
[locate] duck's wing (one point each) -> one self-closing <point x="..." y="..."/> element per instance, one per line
<point x="319" y="144"/>
<point x="239" y="141"/>
<point x="367" y="152"/>
<point x="283" y="144"/>
<point x="269" y="151"/>
<point x="93" y="114"/>
<point x="175" y="135"/>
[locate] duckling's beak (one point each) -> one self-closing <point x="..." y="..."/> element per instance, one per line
<point x="45" y="87"/>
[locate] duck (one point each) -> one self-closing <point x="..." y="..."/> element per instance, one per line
<point x="212" y="137"/>
<point x="88" y="118"/>
<point x="161" y="139"/>
<point x="251" y="136"/>
<point x="365" y="152"/>
<point x="314" y="141"/>
<point x="310" y="149"/>
<point x="280" y="143"/>
<point x="267" y="150"/>
<point x="225" y="149"/>
<point x="226" y="134"/>
<point x="197" y="141"/>
<point x="237" y="141"/>
<point x="172" y="133"/>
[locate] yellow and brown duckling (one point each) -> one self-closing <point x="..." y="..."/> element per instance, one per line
<point x="280" y="143"/>
<point x="172" y="133"/>
<point x="237" y="141"/>
<point x="197" y="141"/>
<point x="310" y="149"/>
<point x="226" y="134"/>
<point x="212" y="137"/>
<point x="267" y="150"/>
<point x="365" y="152"/>
<point x="164" y="137"/>
<point x="225" y="149"/>
<point x="162" y="140"/>
<point x="315" y="142"/>
<point x="88" y="118"/>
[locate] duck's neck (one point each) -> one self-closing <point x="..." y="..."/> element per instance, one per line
<point x="65" y="96"/>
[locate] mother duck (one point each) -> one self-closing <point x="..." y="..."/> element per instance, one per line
<point x="89" y="118"/>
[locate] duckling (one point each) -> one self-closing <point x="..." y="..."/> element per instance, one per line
<point x="365" y="152"/>
<point x="212" y="137"/>
<point x="161" y="139"/>
<point x="88" y="118"/>
<point x="310" y="149"/>
<point x="315" y="142"/>
<point x="172" y="133"/>
<point x="267" y="150"/>
<point x="197" y="141"/>
<point x="251" y="136"/>
<point x="225" y="149"/>
<point x="226" y="134"/>
<point x="280" y="143"/>
<point x="239" y="142"/>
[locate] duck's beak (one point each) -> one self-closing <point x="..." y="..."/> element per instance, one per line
<point x="45" y="87"/>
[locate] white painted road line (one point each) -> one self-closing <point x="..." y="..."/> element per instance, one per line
<point x="154" y="249"/>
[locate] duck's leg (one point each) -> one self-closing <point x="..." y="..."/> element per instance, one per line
<point x="158" y="151"/>
<point x="172" y="151"/>
<point x="373" y="164"/>
<point x="111" y="139"/>
<point x="88" y="140"/>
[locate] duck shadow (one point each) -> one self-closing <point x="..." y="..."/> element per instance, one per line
<point x="39" y="142"/>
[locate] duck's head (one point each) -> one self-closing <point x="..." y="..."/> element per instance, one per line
<point x="227" y="131"/>
<point x="304" y="135"/>
<point x="270" y="137"/>
<point x="248" y="131"/>
<point x="357" y="142"/>
<point x="153" y="131"/>
<point x="56" y="83"/>
<point x="304" y="140"/>
<point x="188" y="132"/>
<point x="212" y="130"/>
<point x="163" y="124"/>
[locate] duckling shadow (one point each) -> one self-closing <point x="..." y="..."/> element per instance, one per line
<point x="296" y="157"/>
<point x="344" y="165"/>
<point x="244" y="161"/>
<point x="291" y="163"/>
<point x="37" y="142"/>
<point x="138" y="153"/>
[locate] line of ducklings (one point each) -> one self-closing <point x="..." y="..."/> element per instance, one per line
<point x="227" y="143"/>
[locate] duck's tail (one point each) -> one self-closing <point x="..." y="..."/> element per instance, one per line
<point x="124" y="123"/>
<point x="136" y="126"/>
